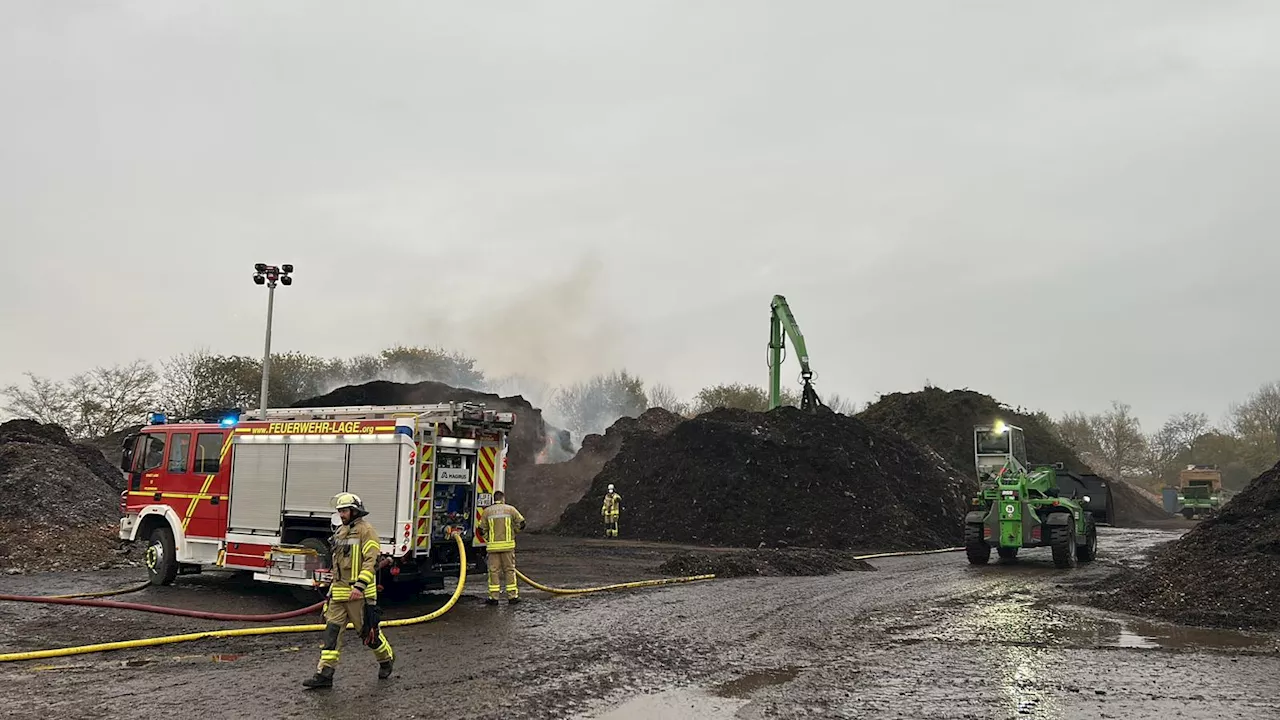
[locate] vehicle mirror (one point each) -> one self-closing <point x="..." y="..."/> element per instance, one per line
<point x="126" y="452"/>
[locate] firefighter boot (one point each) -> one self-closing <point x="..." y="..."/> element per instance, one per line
<point x="322" y="679"/>
<point x="384" y="669"/>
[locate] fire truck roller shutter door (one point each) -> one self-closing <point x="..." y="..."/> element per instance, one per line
<point x="314" y="476"/>
<point x="373" y="472"/>
<point x="257" y="487"/>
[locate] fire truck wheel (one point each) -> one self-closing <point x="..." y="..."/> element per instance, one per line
<point x="161" y="557"/>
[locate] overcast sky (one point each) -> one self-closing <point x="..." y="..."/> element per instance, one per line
<point x="1059" y="204"/>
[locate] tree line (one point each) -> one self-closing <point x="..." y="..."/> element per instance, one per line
<point x="1113" y="442"/>
<point x="105" y="400"/>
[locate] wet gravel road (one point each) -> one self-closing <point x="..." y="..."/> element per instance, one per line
<point x="921" y="637"/>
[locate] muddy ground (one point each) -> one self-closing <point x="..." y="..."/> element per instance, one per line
<point x="920" y="637"/>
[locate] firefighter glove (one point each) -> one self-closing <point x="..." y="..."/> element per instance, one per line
<point x="372" y="619"/>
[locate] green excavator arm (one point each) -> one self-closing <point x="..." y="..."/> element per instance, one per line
<point x="783" y="325"/>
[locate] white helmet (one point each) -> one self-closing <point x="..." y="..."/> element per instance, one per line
<point x="346" y="500"/>
<point x="610" y="487"/>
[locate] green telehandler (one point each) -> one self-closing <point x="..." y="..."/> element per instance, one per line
<point x="1018" y="506"/>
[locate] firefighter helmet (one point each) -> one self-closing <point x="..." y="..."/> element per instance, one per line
<point x="347" y="500"/>
<point x="610" y="487"/>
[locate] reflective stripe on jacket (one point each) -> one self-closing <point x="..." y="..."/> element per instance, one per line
<point x="500" y="523"/>
<point x="611" y="503"/>
<point x="355" y="556"/>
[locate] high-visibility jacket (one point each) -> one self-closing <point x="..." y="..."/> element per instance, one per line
<point x="355" y="556"/>
<point x="612" y="503"/>
<point x="500" y="522"/>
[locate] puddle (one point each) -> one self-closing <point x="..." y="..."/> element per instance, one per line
<point x="1018" y="620"/>
<point x="747" y="684"/>
<point x="1149" y="635"/>
<point x="673" y="704"/>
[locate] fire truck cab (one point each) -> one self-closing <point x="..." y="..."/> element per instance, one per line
<point x="253" y="493"/>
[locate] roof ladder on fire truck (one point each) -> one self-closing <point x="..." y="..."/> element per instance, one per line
<point x="449" y="414"/>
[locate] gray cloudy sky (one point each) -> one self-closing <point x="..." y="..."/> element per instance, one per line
<point x="1055" y="203"/>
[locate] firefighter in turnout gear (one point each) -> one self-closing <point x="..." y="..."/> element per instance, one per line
<point x="353" y="593"/>
<point x="499" y="524"/>
<point x="610" y="510"/>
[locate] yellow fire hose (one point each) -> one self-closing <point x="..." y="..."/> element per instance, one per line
<point x="616" y="586"/>
<point x="238" y="632"/>
<point x="242" y="632"/>
<point x="906" y="553"/>
<point x="453" y="599"/>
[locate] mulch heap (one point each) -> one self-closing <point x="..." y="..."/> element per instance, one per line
<point x="944" y="420"/>
<point x="59" y="501"/>
<point x="781" y="478"/>
<point x="1223" y="573"/>
<point x="527" y="439"/>
<point x="542" y="492"/>
<point x="789" y="562"/>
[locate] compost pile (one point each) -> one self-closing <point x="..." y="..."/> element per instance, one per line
<point x="542" y="492"/>
<point x="944" y="421"/>
<point x="791" y="562"/>
<point x="1132" y="507"/>
<point x="747" y="479"/>
<point x="1224" y="573"/>
<point x="527" y="439"/>
<point x="59" y="500"/>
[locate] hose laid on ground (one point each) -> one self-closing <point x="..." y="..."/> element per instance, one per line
<point x="238" y="632"/>
<point x="906" y="553"/>
<point x="453" y="599"/>
<point x="201" y="614"/>
<point x="106" y="593"/>
<point x="616" y="586"/>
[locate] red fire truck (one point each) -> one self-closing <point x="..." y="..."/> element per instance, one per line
<point x="253" y="494"/>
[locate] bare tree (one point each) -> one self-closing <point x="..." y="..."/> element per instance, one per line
<point x="1078" y="431"/>
<point x="840" y="404"/>
<point x="106" y="399"/>
<point x="183" y="385"/>
<point x="662" y="396"/>
<point x="1173" y="441"/>
<point x="44" y="400"/>
<point x="1121" y="444"/>
<point x="1258" y="418"/>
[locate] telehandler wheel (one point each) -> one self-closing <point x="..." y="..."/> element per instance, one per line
<point x="977" y="549"/>
<point x="1063" y="540"/>
<point x="1088" y="551"/>
<point x="1008" y="553"/>
<point x="1188" y="513"/>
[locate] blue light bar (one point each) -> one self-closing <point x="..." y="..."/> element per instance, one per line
<point x="229" y="421"/>
<point x="157" y="418"/>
